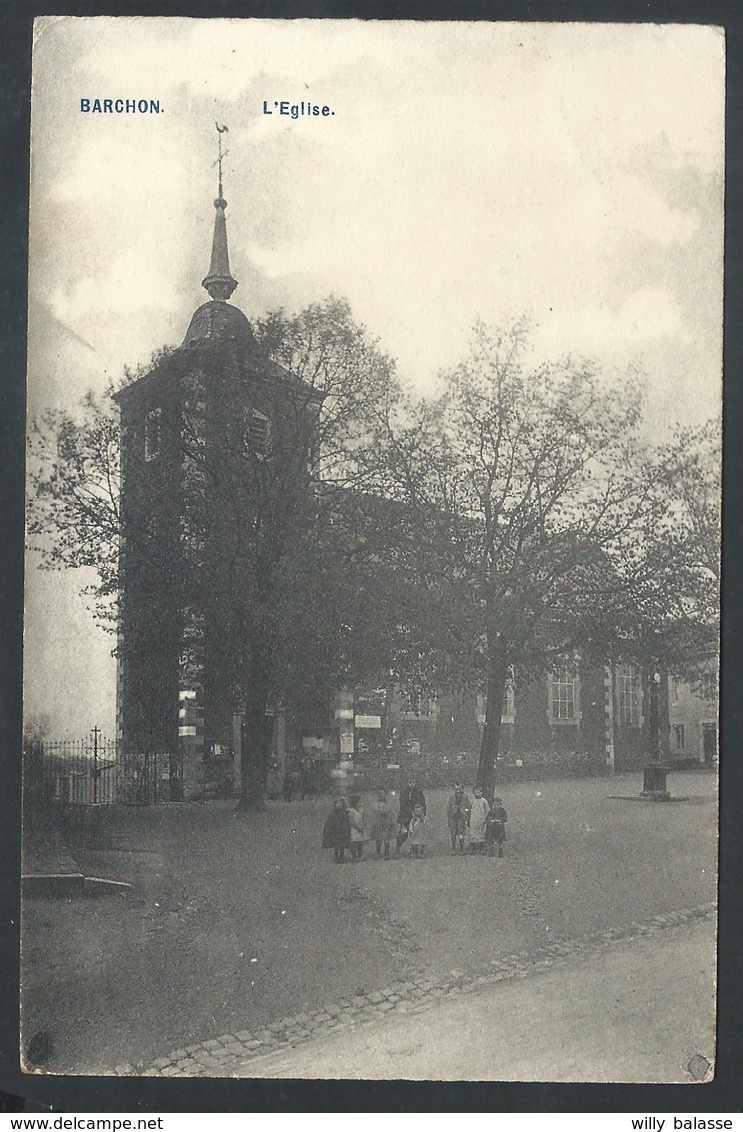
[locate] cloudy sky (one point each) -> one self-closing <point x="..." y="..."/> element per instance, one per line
<point x="571" y="172"/>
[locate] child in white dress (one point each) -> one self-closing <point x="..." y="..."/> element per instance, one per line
<point x="418" y="832"/>
<point x="478" y="820"/>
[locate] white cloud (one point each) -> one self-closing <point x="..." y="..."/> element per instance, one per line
<point x="644" y="316"/>
<point x="125" y="285"/>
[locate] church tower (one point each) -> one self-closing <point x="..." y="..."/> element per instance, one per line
<point x="206" y="435"/>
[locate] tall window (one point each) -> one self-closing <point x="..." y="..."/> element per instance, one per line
<point x="628" y="695"/>
<point x="258" y="433"/>
<point x="152" y="433"/>
<point x="563" y="694"/>
<point x="675" y="685"/>
<point x="680" y="736"/>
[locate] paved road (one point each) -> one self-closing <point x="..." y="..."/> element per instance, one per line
<point x="640" y="1012"/>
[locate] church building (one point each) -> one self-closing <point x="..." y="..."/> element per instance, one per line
<point x="211" y="435"/>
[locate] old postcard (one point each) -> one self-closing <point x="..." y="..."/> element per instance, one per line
<point x="372" y="606"/>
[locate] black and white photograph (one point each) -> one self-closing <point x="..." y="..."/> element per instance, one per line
<point x="372" y="591"/>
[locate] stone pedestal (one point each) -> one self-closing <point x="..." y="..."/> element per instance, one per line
<point x="654" y="782"/>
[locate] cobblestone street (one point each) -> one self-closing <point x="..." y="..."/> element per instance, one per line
<point x="240" y="936"/>
<point x="437" y="1049"/>
<point x="577" y="1015"/>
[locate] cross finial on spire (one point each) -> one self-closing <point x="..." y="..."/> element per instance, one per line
<point x="219" y="282"/>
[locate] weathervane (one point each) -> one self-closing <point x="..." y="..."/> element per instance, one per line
<point x="219" y="281"/>
<point x="220" y="130"/>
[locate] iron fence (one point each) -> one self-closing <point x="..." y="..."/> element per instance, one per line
<point x="80" y="772"/>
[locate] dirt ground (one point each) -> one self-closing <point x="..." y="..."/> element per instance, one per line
<point x="235" y="920"/>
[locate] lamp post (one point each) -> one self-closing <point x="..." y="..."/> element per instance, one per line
<point x="654" y="776"/>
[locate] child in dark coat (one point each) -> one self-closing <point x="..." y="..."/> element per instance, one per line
<point x="410" y="797"/>
<point x="495" y="828"/>
<point x="458" y="816"/>
<point x="336" y="832"/>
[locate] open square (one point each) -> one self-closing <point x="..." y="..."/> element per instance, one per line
<point x="235" y="923"/>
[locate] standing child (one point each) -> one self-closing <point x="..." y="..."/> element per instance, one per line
<point x="418" y="832"/>
<point x="457" y="816"/>
<point x="410" y="797"/>
<point x="357" y="819"/>
<point x="336" y="832"/>
<point x="495" y="828"/>
<point x="383" y="824"/>
<point x="478" y="818"/>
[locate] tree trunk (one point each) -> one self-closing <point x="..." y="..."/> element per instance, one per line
<point x="253" y="752"/>
<point x="497" y="679"/>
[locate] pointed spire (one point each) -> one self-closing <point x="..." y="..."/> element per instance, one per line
<point x="219" y="282"/>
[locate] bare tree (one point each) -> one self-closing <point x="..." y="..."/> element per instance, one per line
<point x="667" y="608"/>
<point x="533" y="479"/>
<point x="74" y="491"/>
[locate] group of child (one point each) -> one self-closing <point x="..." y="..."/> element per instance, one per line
<point x="483" y="826"/>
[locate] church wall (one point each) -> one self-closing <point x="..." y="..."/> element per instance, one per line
<point x="439" y="739"/>
<point x="150" y="628"/>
